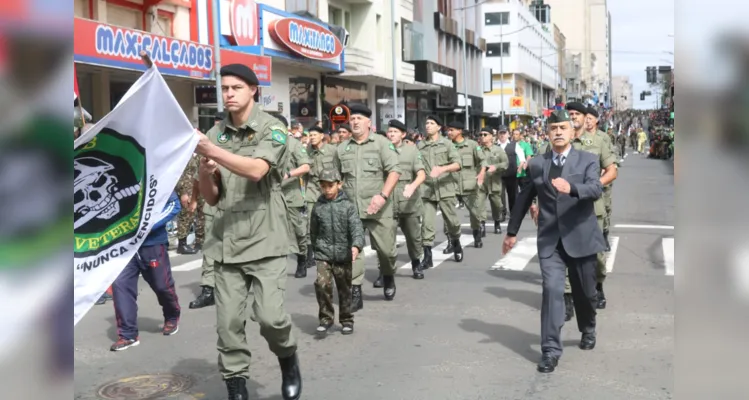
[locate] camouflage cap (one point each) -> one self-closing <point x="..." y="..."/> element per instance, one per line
<point x="558" y="116"/>
<point x="330" y="175"/>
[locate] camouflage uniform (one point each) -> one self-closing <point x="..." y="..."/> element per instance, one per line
<point x="186" y="218"/>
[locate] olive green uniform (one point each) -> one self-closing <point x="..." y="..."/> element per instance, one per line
<point x="321" y="158"/>
<point x="492" y="187"/>
<point x="207" y="271"/>
<point x="408" y="211"/>
<point x="293" y="191"/>
<point x="472" y="160"/>
<point x="364" y="168"/>
<point x="249" y="241"/>
<point x="608" y="189"/>
<point x="439" y="192"/>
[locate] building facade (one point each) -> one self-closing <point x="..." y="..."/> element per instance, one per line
<point x="561" y="41"/>
<point x="434" y="43"/>
<point x="523" y="55"/>
<point x="586" y="26"/>
<point x="622" y="93"/>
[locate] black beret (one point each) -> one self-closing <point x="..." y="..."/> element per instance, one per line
<point x="283" y="119"/>
<point x="394" y="123"/>
<point x="592" y="111"/>
<point x="241" y="71"/>
<point x="345" y="126"/>
<point x="220" y="116"/>
<point x="360" y="109"/>
<point x="316" y="128"/>
<point x="502" y="128"/>
<point x="435" y="118"/>
<point x="456" y="125"/>
<point x="487" y="129"/>
<point x="577" y="106"/>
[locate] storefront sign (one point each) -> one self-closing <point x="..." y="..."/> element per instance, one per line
<point x="339" y="114"/>
<point x="517" y="102"/>
<point x="102" y="44"/>
<point x="244" y="23"/>
<point x="306" y="38"/>
<point x="261" y="65"/>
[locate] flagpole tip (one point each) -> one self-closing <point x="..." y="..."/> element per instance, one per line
<point x="146" y="59"/>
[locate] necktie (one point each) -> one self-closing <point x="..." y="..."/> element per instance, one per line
<point x="560" y="160"/>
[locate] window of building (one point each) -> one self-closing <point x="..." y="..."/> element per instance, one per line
<point x="337" y="16"/>
<point x="310" y="6"/>
<point x="378" y="27"/>
<point x="497" y="18"/>
<point x="498" y="49"/>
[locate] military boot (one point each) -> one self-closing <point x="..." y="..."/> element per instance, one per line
<point x="426" y="263"/>
<point x="477" y="243"/>
<point x="497" y="227"/>
<point x="378" y="282"/>
<point x="416" y="269"/>
<point x="183" y="248"/>
<point x="483" y="229"/>
<point x="389" y="290"/>
<point x="291" y="377"/>
<point x="606" y="237"/>
<point x="357" y="303"/>
<point x="601" y="303"/>
<point x="450" y="247"/>
<point x="311" y="262"/>
<point x="503" y="216"/>
<point x="569" y="308"/>
<point x="237" y="389"/>
<point x="458" y="250"/>
<point x="301" y="266"/>
<point x="205" y="298"/>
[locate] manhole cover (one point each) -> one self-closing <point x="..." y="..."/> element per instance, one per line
<point x="145" y="387"/>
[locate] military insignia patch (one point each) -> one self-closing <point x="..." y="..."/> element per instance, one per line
<point x="348" y="147"/>
<point x="303" y="150"/>
<point x="587" y="142"/>
<point x="392" y="147"/>
<point x="223" y="137"/>
<point x="419" y="155"/>
<point x="250" y="136"/>
<point x="478" y="148"/>
<point x="278" y="136"/>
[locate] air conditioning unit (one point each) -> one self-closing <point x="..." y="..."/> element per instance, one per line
<point x="341" y="33"/>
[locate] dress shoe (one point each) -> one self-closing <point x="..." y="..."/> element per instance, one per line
<point x="389" y="287"/>
<point x="458" y="250"/>
<point x="483" y="229"/>
<point x="600" y="296"/>
<point x="416" y="269"/>
<point x="588" y="341"/>
<point x="301" y="266"/>
<point x="291" y="377"/>
<point x="426" y="263"/>
<point x="378" y="282"/>
<point x="569" y="307"/>
<point x="547" y="364"/>
<point x="357" y="303"/>
<point x="477" y="243"/>
<point x="205" y="298"/>
<point x="237" y="389"/>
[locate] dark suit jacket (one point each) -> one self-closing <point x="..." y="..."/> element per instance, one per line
<point x="570" y="218"/>
<point x="512" y="168"/>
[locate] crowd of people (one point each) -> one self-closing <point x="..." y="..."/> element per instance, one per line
<point x="259" y="189"/>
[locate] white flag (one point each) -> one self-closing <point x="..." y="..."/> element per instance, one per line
<point x="126" y="167"/>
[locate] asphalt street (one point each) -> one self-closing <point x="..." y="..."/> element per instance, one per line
<point x="469" y="330"/>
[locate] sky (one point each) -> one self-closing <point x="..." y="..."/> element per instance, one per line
<point x="640" y="32"/>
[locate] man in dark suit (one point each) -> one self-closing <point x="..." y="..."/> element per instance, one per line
<point x="567" y="182"/>
<point x="509" y="177"/>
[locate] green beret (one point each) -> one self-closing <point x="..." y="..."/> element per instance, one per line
<point x="558" y="116"/>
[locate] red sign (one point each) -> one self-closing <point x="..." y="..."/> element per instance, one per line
<point x="243" y="22"/>
<point x="306" y="38"/>
<point x="339" y="114"/>
<point x="112" y="46"/>
<point x="261" y="65"/>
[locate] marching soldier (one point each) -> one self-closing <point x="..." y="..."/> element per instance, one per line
<point x="407" y="203"/>
<point x="369" y="166"/>
<point x="241" y="173"/>
<point x="321" y="157"/>
<point x="621" y="141"/>
<point x="497" y="162"/>
<point x="293" y="189"/>
<point x="440" y="157"/>
<point x="592" y="118"/>
<point x="470" y="178"/>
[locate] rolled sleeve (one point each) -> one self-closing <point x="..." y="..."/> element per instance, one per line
<point x="271" y="151"/>
<point x="453" y="156"/>
<point x="418" y="163"/>
<point x="389" y="158"/>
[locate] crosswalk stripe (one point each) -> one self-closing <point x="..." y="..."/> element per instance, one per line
<point x="437" y="256"/>
<point x="668" y="255"/>
<point x="519" y="256"/>
<point x="488" y="225"/>
<point x="614" y="244"/>
<point x="188" y="266"/>
<point x="368" y="251"/>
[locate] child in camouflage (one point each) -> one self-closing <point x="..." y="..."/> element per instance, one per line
<point x="337" y="237"/>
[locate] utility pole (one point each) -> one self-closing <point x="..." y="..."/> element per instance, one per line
<point x="217" y="56"/>
<point x="465" y="71"/>
<point x="502" y="70"/>
<point x="395" y="67"/>
<point x="541" y="61"/>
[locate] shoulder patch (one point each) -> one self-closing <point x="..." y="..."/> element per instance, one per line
<point x="304" y="150"/>
<point x="392" y="147"/>
<point x="418" y="155"/>
<point x="478" y="148"/>
<point x="278" y="136"/>
<point x="222" y="138"/>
